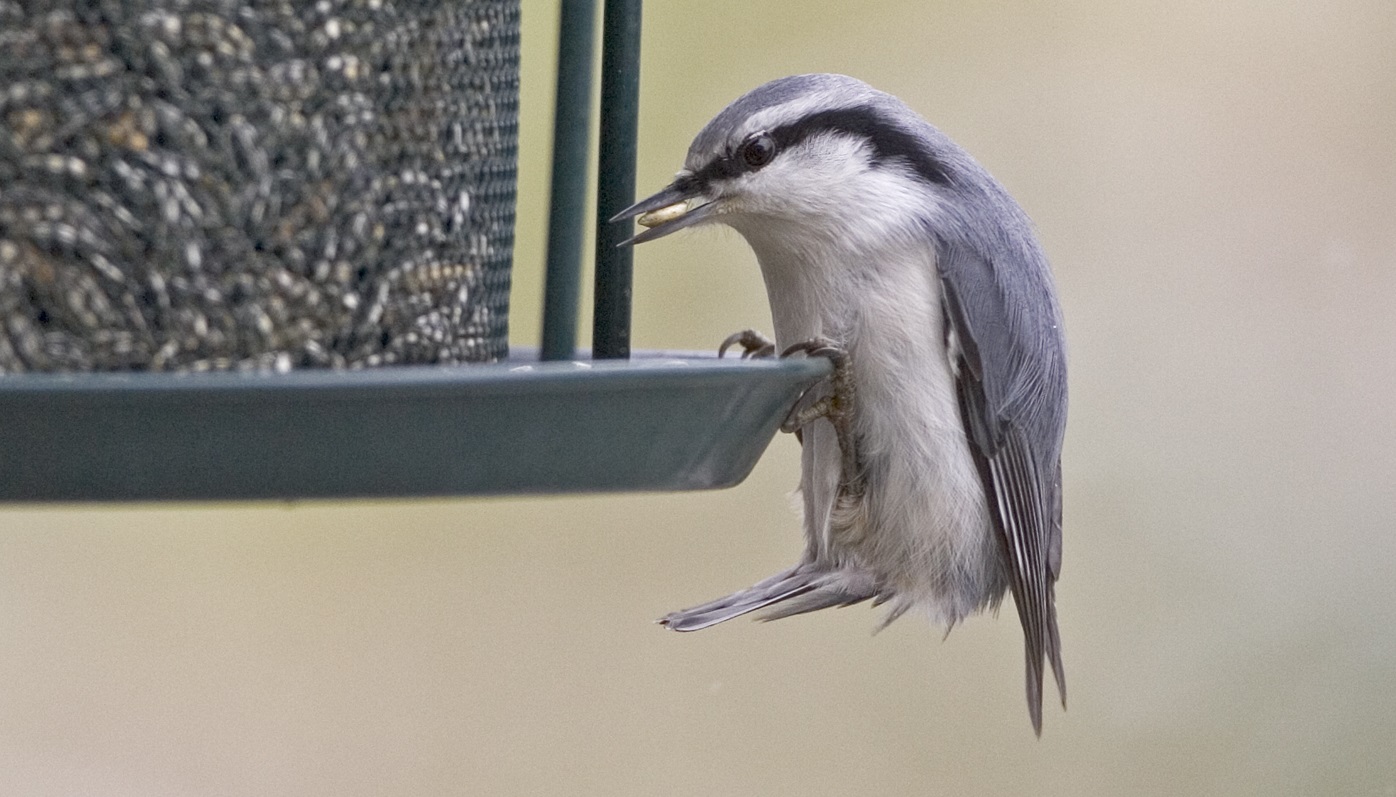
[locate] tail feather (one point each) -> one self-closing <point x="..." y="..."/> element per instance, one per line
<point x="1054" y="645"/>
<point x="1043" y="643"/>
<point x="803" y="588"/>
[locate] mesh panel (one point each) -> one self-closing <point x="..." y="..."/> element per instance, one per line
<point x="194" y="185"/>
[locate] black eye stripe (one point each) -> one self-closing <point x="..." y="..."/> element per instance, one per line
<point x="887" y="140"/>
<point x="732" y="164"/>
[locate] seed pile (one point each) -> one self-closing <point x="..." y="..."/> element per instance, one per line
<point x="253" y="184"/>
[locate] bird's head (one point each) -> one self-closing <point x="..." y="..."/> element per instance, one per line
<point x="820" y="155"/>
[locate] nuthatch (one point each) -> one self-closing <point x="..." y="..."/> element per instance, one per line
<point x="931" y="461"/>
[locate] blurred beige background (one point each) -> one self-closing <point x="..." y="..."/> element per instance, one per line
<point x="1216" y="185"/>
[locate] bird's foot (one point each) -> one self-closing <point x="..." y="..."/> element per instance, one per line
<point x="753" y="344"/>
<point x="837" y="407"/>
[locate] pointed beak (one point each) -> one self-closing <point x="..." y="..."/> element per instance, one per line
<point x="678" y="206"/>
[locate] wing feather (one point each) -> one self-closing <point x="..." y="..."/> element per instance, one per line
<point x="1010" y="380"/>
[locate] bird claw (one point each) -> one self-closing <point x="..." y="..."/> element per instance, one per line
<point x="819" y="347"/>
<point x="837" y="407"/>
<point x="754" y="345"/>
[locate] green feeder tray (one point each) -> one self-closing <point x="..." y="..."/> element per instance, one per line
<point x="656" y="422"/>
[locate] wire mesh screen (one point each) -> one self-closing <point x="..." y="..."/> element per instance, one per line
<point x="208" y="185"/>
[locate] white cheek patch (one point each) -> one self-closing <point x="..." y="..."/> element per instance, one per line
<point x="808" y="180"/>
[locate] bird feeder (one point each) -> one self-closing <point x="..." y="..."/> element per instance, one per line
<point x="259" y="251"/>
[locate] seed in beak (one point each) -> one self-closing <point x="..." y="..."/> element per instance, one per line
<point x="667" y="213"/>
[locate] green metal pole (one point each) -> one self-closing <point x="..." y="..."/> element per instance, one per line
<point x="571" y="126"/>
<point x="620" y="102"/>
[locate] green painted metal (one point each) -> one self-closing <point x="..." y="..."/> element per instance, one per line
<point x="571" y="130"/>
<point x="657" y="422"/>
<point x="620" y="102"/>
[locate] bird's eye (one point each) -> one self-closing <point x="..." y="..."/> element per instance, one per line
<point x="758" y="150"/>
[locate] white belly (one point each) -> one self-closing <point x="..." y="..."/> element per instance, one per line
<point x="926" y="526"/>
<point x="922" y="526"/>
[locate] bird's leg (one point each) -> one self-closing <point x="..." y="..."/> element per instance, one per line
<point x="753" y="344"/>
<point x="838" y="407"/>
